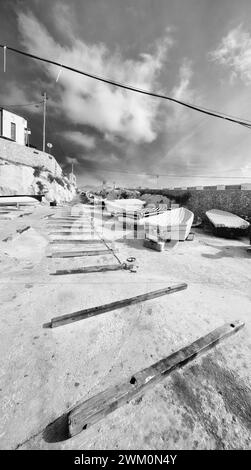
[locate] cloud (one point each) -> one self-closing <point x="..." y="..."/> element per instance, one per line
<point x="64" y="19"/>
<point x="182" y="90"/>
<point x="234" y="52"/>
<point x="14" y="94"/>
<point x="81" y="139"/>
<point x="87" y="101"/>
<point x="180" y="120"/>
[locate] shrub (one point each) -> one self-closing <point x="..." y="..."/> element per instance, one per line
<point x="59" y="181"/>
<point x="50" y="178"/>
<point x="37" y="171"/>
<point x="41" y="187"/>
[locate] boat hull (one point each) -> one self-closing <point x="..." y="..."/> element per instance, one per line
<point x="228" y="225"/>
<point x="172" y="225"/>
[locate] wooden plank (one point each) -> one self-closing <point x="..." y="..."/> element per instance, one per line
<point x="73" y="218"/>
<point x="95" y="408"/>
<point x="81" y="229"/>
<point x="72" y="254"/>
<point x="90" y="312"/>
<point x="70" y="226"/>
<point x="75" y="232"/>
<point x="72" y="240"/>
<point x="94" y="269"/>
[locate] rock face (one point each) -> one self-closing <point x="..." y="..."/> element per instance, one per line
<point x="20" y="179"/>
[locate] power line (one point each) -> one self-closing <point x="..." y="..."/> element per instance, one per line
<point x="19" y="105"/>
<point x="217" y="114"/>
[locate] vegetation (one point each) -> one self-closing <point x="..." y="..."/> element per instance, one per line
<point x="37" y="171"/>
<point x="41" y="187"/>
<point x="178" y="196"/>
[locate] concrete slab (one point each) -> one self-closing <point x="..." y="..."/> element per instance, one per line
<point x="45" y="372"/>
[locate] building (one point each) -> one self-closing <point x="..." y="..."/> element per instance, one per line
<point x="13" y="127"/>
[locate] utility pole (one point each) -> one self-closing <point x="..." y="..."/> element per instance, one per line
<point x="157" y="181"/>
<point x="44" y="118"/>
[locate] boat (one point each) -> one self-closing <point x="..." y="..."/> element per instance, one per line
<point x="117" y="206"/>
<point x="22" y="200"/>
<point x="138" y="217"/>
<point x="174" y="224"/>
<point x="226" y="224"/>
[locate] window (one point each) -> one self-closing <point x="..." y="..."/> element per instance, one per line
<point x="13" y="131"/>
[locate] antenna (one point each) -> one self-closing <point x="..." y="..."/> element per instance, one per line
<point x="44" y="118"/>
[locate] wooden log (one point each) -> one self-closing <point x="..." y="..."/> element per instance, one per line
<point x="79" y="228"/>
<point x="72" y="254"/>
<point x="68" y="224"/>
<point x="93" y="311"/>
<point x="72" y="232"/>
<point x="95" y="408"/>
<point x="72" y="240"/>
<point x="94" y="269"/>
<point x="68" y="219"/>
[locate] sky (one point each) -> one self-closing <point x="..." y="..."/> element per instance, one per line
<point x="198" y="51"/>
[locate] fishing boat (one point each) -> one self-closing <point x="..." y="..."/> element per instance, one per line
<point x="22" y="200"/>
<point x="226" y="224"/>
<point x="174" y="224"/>
<point x="117" y="206"/>
<point x="138" y="217"/>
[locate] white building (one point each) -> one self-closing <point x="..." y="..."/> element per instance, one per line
<point x="13" y="127"/>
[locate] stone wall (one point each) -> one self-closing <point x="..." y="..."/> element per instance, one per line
<point x="19" y="154"/>
<point x="232" y="198"/>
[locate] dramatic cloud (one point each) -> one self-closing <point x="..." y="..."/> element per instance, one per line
<point x="183" y="91"/>
<point x="93" y="103"/>
<point x="81" y="139"/>
<point x="14" y="94"/>
<point x="234" y="52"/>
<point x="102" y="128"/>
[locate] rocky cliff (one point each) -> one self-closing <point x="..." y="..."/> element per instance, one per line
<point x="16" y="178"/>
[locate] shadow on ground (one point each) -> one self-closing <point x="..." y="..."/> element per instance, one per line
<point x="230" y="251"/>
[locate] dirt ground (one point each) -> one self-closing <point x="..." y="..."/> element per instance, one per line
<point x="44" y="372"/>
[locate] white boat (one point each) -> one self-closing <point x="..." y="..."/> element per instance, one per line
<point x="139" y="217"/>
<point x="226" y="219"/>
<point x="174" y="224"/>
<point x="120" y="205"/>
<point x="14" y="200"/>
<point x="226" y="223"/>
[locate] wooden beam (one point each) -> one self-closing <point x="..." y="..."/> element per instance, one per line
<point x="68" y="221"/>
<point x="75" y="232"/>
<point x="95" y="408"/>
<point x="73" y="218"/>
<point x="72" y="254"/>
<point x="68" y="224"/>
<point x="94" y="269"/>
<point x="72" y="240"/>
<point x="90" y="312"/>
<point x="81" y="228"/>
